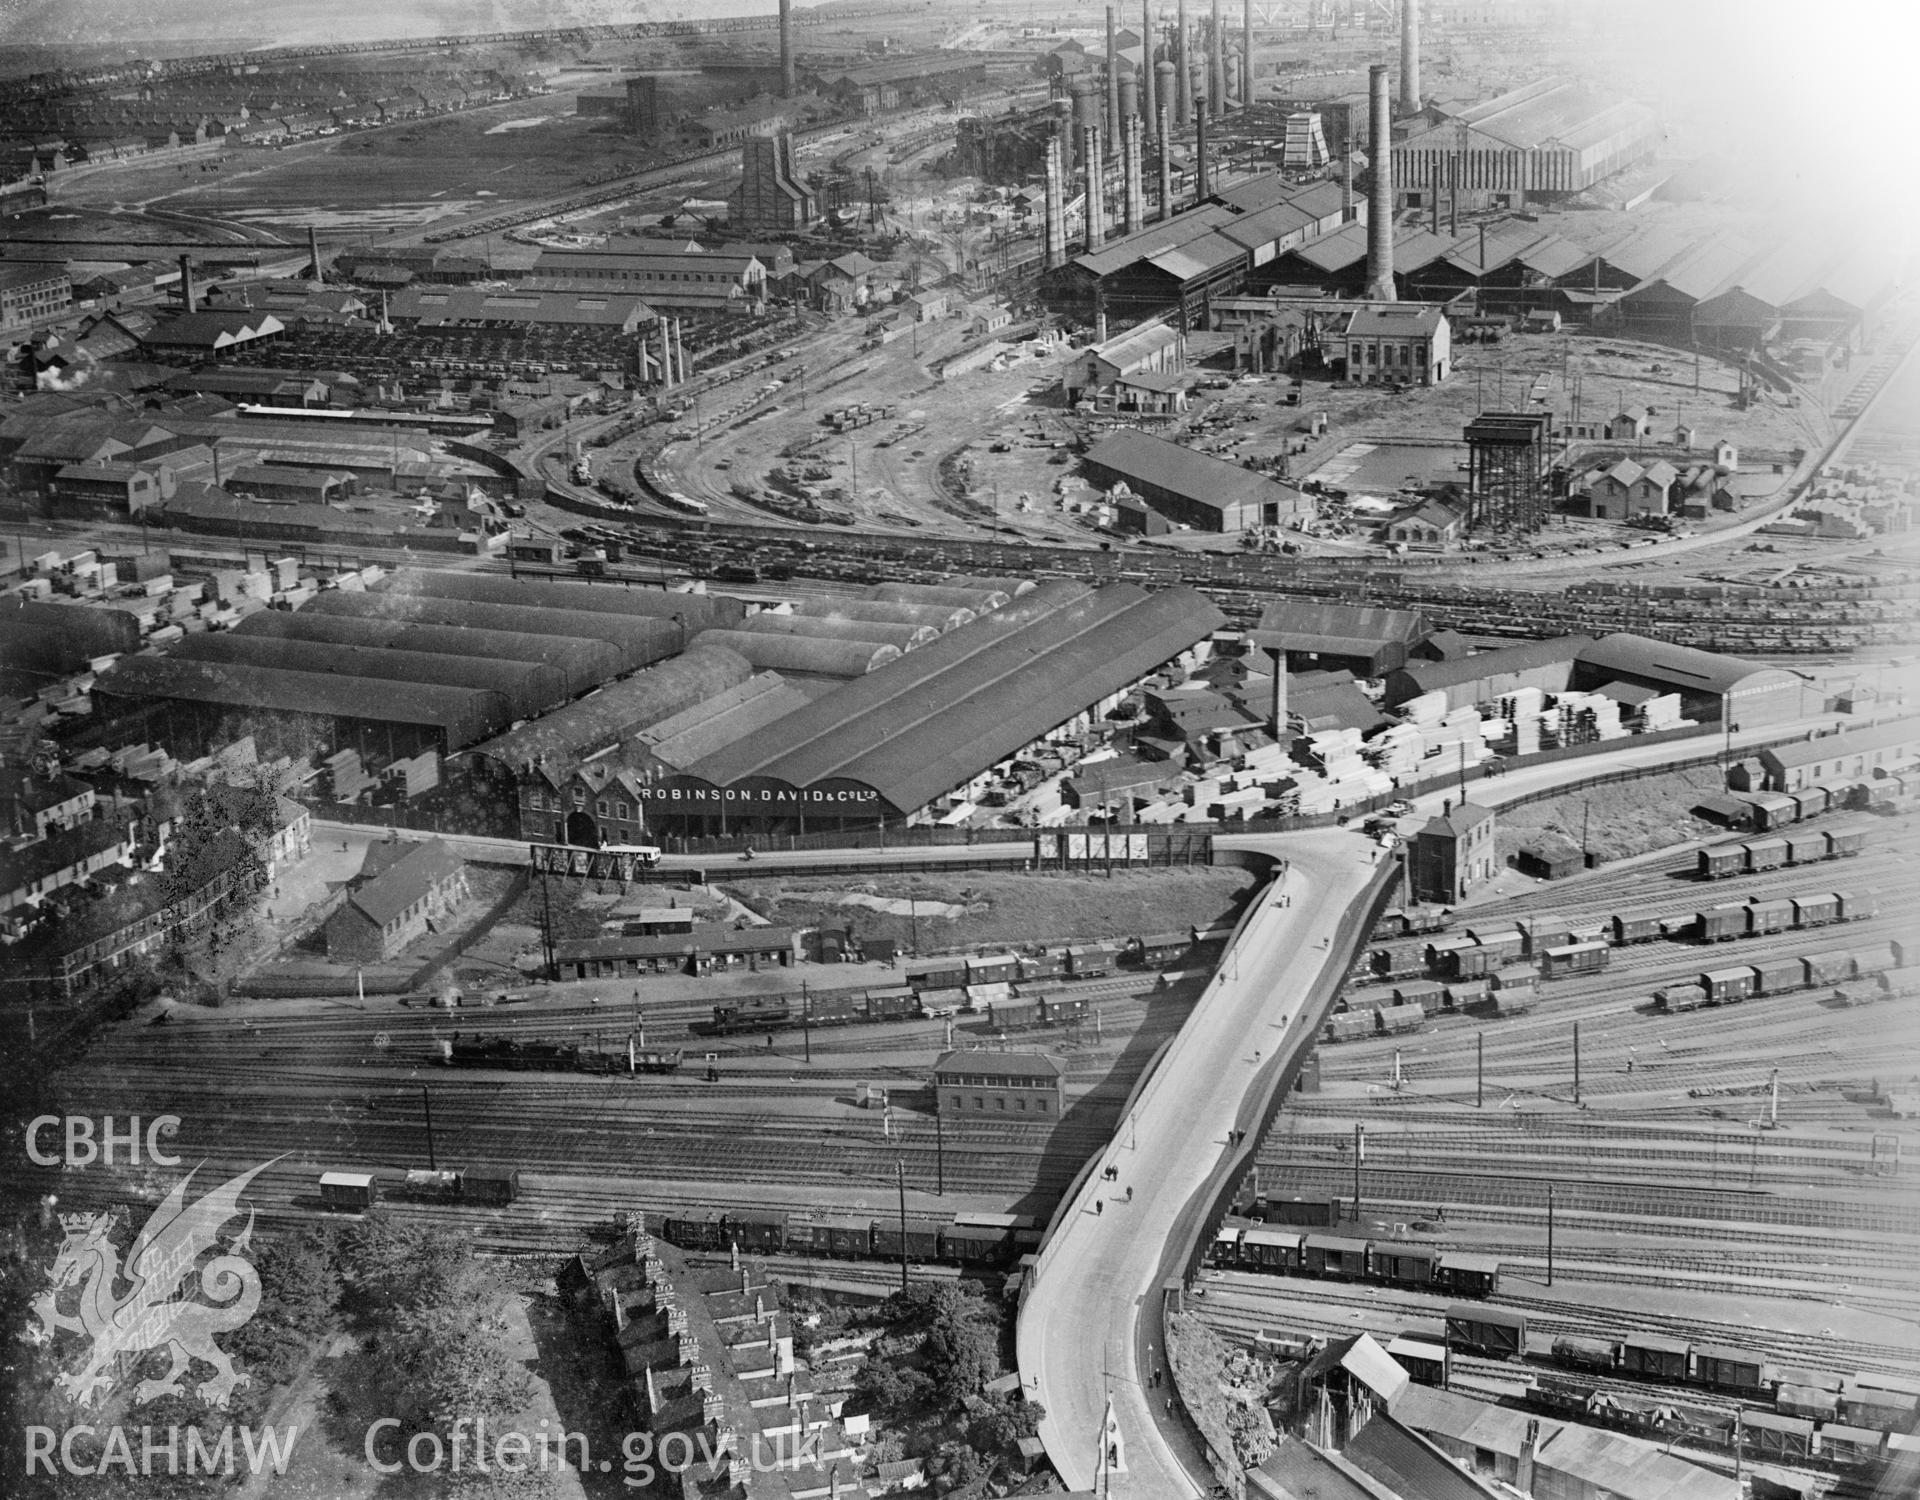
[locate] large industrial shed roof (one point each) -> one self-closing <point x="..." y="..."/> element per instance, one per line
<point x="708" y="728"/>
<point x="938" y="718"/>
<point x="699" y="611"/>
<point x="582" y="663"/>
<point x="464" y="715"/>
<point x="1013" y="586"/>
<point x="1426" y="676"/>
<point x="802" y="655"/>
<point x="639" y="640"/>
<point x="1683" y="667"/>
<point x="839" y="628"/>
<point x="1140" y="458"/>
<point x="96" y="631"/>
<point x="564" y="738"/>
<point x="1384" y="636"/>
<point x="977" y="597"/>
<point x="528" y="689"/>
<point x="940" y="617"/>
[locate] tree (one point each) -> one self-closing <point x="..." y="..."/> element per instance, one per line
<point x="1004" y="1422"/>
<point x="883" y="1386"/>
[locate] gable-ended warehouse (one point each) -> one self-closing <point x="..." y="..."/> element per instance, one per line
<point x="1191" y="489"/>
<point x="906" y="741"/>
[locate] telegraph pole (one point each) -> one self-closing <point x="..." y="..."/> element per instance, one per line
<point x="1576" y="1062"/>
<point x="1549" y="1234"/>
<point x="1480" y="1071"/>
<point x="1359" y="1155"/>
<point x="806" y="1020"/>
<point x="426" y="1110"/>
<point x="939" y="1149"/>
<point x="900" y="1176"/>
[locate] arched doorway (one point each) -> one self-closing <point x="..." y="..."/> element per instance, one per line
<point x="581" y="830"/>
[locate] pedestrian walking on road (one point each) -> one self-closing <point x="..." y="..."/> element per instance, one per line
<point x="1099" y="1205"/>
<point x="1129" y="1195"/>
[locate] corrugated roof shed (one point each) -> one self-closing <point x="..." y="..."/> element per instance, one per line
<point x="581" y="663"/>
<point x="1461" y="1419"/>
<point x="839" y="628"/>
<point x="1428" y="675"/>
<point x="1903" y="733"/>
<point x="802" y="655"/>
<point x="977" y="597"/>
<point x="1627" y="655"/>
<point x="698" y="611"/>
<point x="708" y="728"/>
<point x="1196" y="477"/>
<point x="1298" y="1471"/>
<point x="1411" y="1466"/>
<point x="940" y="617"/>
<point x="528" y="688"/>
<point x="940" y="716"/>
<point x="562" y="739"/>
<point x="436" y="305"/>
<point x="1308" y="625"/>
<point x="639" y="641"/>
<point x="464" y="715"/>
<point x="1628" y="1467"/>
<point x="83" y="627"/>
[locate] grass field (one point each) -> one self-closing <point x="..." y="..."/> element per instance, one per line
<point x="1006" y="908"/>
<point x="1626" y="819"/>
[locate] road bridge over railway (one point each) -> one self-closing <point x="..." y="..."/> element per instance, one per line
<point x="1092" y="1321"/>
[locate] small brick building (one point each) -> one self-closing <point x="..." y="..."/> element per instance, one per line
<point x="999" y="1084"/>
<point x="400" y="890"/>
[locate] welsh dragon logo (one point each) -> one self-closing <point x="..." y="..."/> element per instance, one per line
<point x="148" y="1314"/>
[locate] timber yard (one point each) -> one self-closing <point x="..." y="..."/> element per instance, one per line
<point x="1139" y="750"/>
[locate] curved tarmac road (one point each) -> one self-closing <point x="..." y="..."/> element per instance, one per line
<point x="1077" y="1331"/>
<point x="1080" y="1335"/>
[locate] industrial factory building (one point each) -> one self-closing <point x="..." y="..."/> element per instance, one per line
<point x="1192" y="489"/>
<point x="1546" y="140"/>
<point x="900" y="742"/>
<point x="1710" y="686"/>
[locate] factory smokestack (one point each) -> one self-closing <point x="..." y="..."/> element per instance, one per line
<point x="1409" y="57"/>
<point x="1165" y="91"/>
<point x="1380" y="196"/>
<point x="1217" y="66"/>
<point x="1149" y="68"/>
<point x="1203" y="179"/>
<point x="1166" y="160"/>
<point x="1113" y="82"/>
<point x="1054" y="209"/>
<point x="1182" y="70"/>
<point x="1096" y="190"/>
<point x="313" y="250"/>
<point x="1346" y="186"/>
<point x="1246" y="54"/>
<point x="786" y="49"/>
<point x="188" y="302"/>
<point x="1136" y="198"/>
<point x="1063" y="129"/>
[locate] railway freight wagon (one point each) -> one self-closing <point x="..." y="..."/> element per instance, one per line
<point x="1753" y="856"/>
<point x="1491" y="1331"/>
<point x="1574" y="958"/>
<point x="353" y="1192"/>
